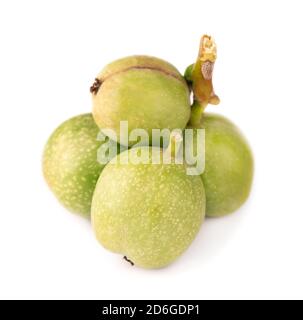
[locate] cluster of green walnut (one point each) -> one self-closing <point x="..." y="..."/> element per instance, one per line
<point x="150" y="213"/>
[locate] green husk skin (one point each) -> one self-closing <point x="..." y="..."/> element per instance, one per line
<point x="229" y="166"/>
<point x="156" y="212"/>
<point x="147" y="92"/>
<point x="70" y="165"/>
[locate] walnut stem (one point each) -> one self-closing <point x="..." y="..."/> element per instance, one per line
<point x="199" y="76"/>
<point x="175" y="143"/>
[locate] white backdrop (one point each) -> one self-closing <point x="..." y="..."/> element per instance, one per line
<point x="50" y="52"/>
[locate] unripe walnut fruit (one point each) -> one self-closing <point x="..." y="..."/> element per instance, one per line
<point x="148" y="212"/>
<point x="147" y="92"/>
<point x="70" y="164"/>
<point x="229" y="165"/>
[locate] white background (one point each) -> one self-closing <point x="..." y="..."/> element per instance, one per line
<point x="50" y="52"/>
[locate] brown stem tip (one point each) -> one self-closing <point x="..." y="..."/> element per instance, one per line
<point x="95" y="87"/>
<point x="129" y="261"/>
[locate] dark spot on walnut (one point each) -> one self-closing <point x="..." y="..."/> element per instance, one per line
<point x="95" y="87"/>
<point x="129" y="261"/>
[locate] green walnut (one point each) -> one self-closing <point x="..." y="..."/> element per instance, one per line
<point x="228" y="171"/>
<point x="70" y="164"/>
<point x="150" y="213"/>
<point x="147" y="92"/>
<point x="229" y="166"/>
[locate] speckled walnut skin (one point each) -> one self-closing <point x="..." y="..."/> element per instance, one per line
<point x="70" y="164"/>
<point x="154" y="212"/>
<point x="228" y="168"/>
<point x="147" y="92"/>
